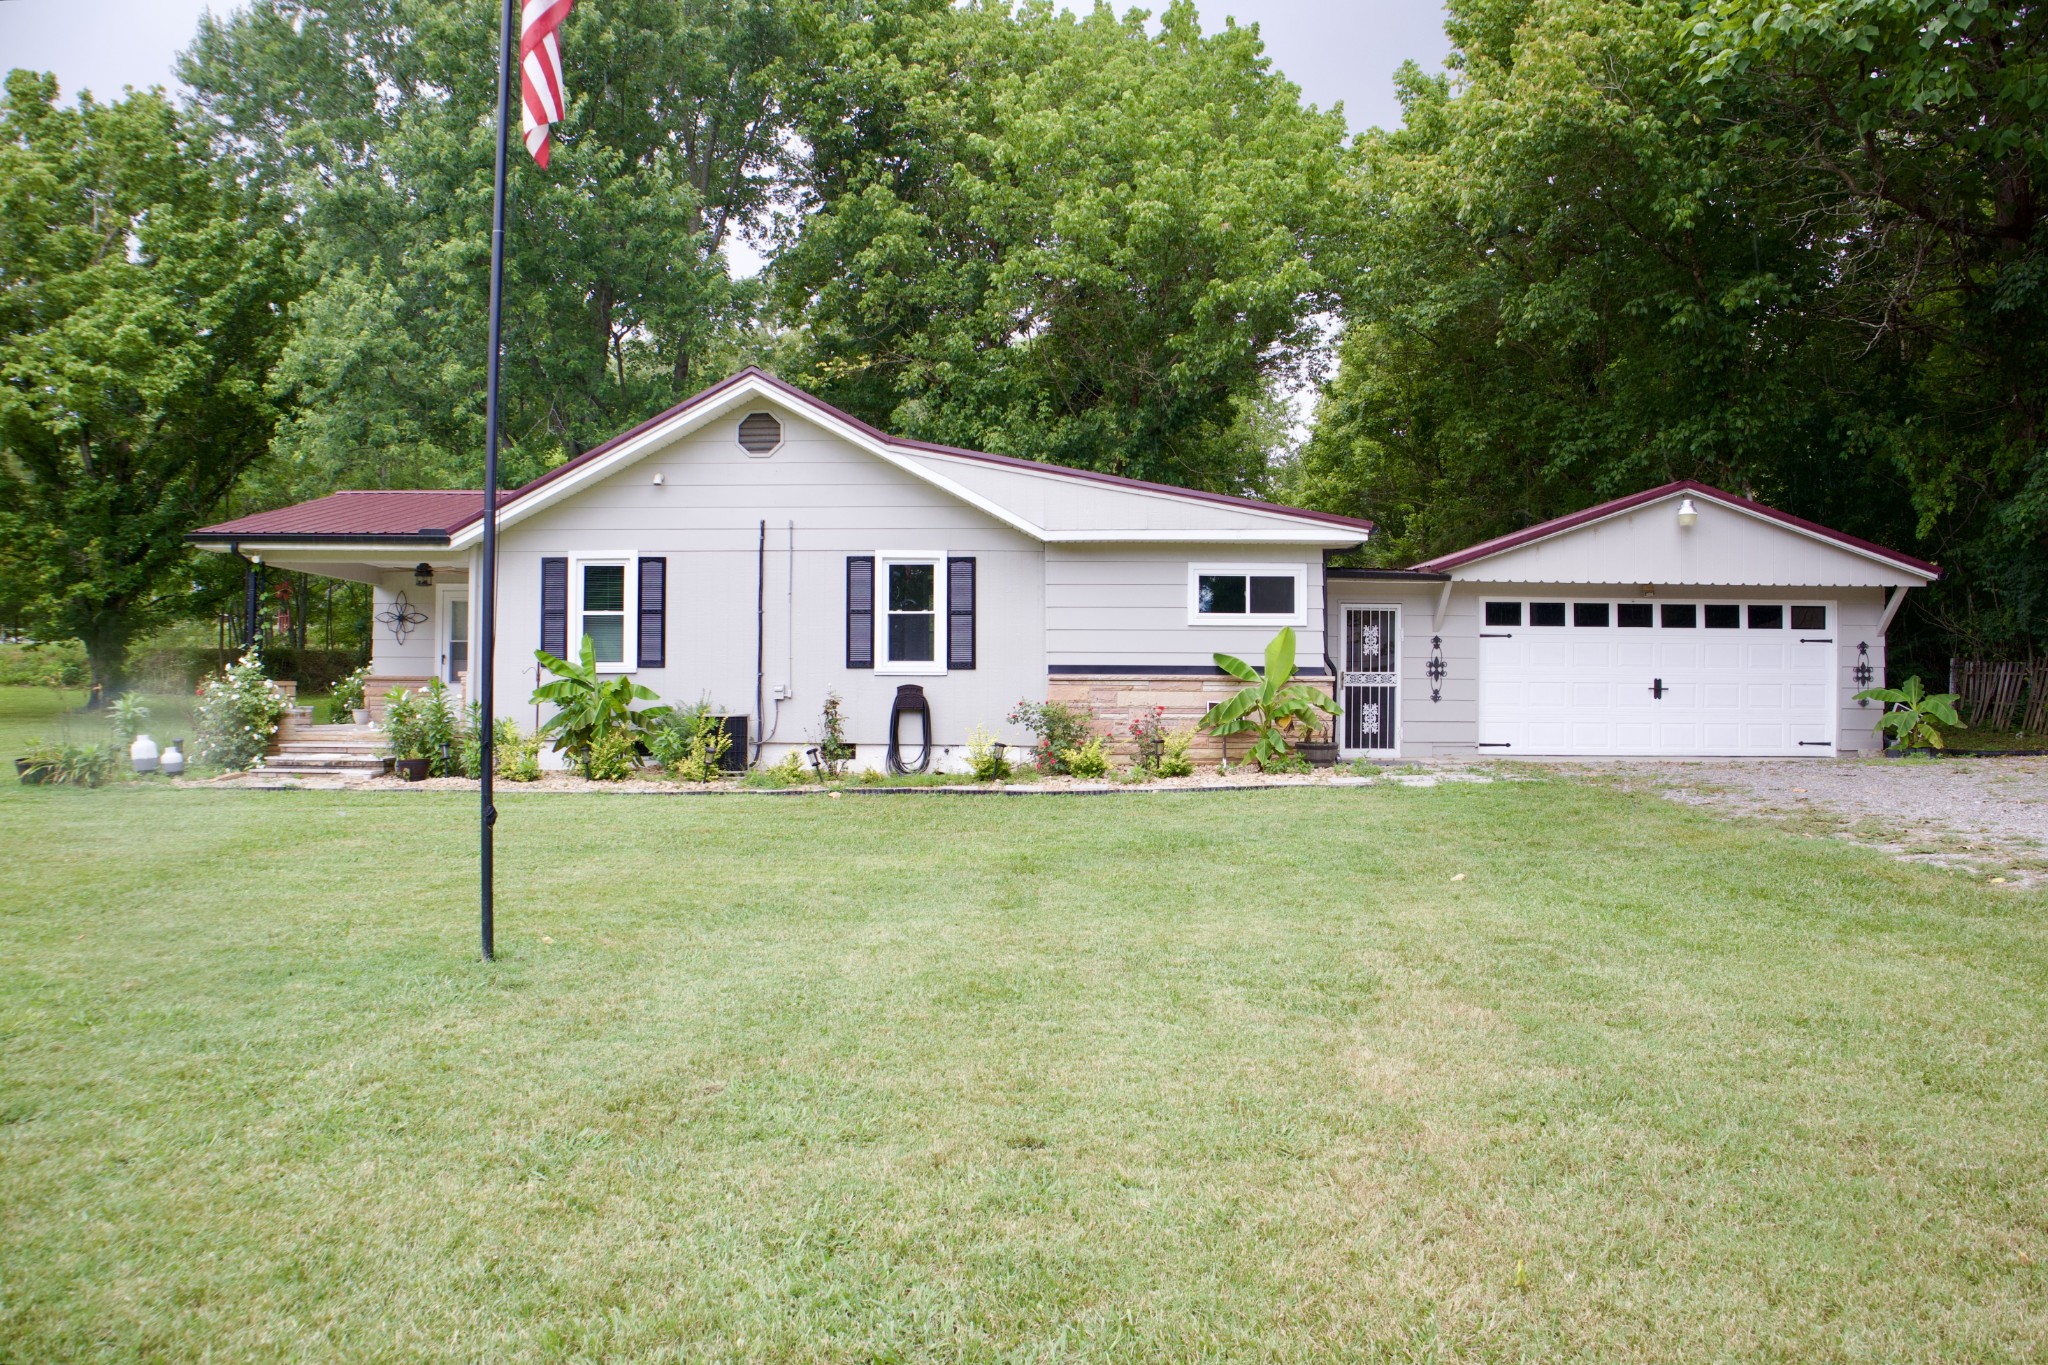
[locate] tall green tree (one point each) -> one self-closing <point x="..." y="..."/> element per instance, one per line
<point x="1058" y="237"/>
<point x="377" y="117"/>
<point x="143" y="305"/>
<point x="1923" y="127"/>
<point x="1628" y="243"/>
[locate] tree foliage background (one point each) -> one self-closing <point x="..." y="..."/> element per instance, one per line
<point x="1794" y="249"/>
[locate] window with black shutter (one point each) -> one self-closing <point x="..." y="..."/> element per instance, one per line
<point x="960" y="613"/>
<point x="653" y="611"/>
<point x="860" y="611"/>
<point x="554" y="606"/>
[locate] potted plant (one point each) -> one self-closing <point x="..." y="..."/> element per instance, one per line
<point x="405" y="732"/>
<point x="1318" y="748"/>
<point x="350" y="695"/>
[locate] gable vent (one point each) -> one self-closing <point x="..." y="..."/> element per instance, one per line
<point x="760" y="433"/>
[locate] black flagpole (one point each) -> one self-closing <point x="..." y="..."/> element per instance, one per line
<point x="487" y="621"/>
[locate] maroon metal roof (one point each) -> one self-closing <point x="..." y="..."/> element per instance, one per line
<point x="1543" y="529"/>
<point x="444" y="513"/>
<point x="368" y="514"/>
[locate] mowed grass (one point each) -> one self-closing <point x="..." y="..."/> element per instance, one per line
<point x="902" y="1077"/>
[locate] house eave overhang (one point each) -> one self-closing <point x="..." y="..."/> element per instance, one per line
<point x="1465" y="559"/>
<point x="313" y="541"/>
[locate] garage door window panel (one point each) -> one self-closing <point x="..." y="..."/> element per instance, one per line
<point x="1503" y="613"/>
<point x="1680" y="616"/>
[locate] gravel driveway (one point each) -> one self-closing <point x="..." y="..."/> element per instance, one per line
<point x="1987" y="816"/>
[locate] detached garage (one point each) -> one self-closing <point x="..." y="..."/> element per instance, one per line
<point x="1683" y="621"/>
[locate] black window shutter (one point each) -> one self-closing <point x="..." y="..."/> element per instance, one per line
<point x="860" y="611"/>
<point x="653" y="611"/>
<point x="960" y="613"/>
<point x="554" y="607"/>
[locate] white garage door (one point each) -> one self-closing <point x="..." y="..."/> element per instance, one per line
<point x="1608" y="677"/>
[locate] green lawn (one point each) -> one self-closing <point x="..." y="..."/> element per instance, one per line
<point x="902" y="1077"/>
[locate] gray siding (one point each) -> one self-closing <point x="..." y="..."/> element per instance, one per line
<point x="1127" y="606"/>
<point x="705" y="519"/>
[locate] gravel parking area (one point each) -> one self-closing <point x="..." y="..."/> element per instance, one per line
<point x="1987" y="816"/>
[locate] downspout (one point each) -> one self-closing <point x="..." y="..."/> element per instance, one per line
<point x="760" y="634"/>
<point x="1328" y="662"/>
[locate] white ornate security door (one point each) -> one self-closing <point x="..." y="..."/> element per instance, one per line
<point x="1370" y="686"/>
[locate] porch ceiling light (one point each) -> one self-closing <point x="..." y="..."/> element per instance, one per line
<point x="423" y="575"/>
<point x="1687" y="513"/>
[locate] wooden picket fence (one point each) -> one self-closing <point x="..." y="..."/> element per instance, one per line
<point x="2001" y="694"/>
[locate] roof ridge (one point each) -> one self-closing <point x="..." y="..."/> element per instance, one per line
<point x="1599" y="511"/>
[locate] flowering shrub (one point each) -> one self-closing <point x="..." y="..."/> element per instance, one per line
<point x="237" y="714"/>
<point x="1149" y="728"/>
<point x="1059" y="727"/>
<point x="350" y="692"/>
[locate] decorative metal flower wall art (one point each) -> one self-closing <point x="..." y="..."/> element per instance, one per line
<point x="1436" y="668"/>
<point x="402" y="617"/>
<point x="1864" y="673"/>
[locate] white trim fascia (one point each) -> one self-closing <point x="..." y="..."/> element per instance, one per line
<point x="440" y="556"/>
<point x="748" y="391"/>
<point x="1302" y="536"/>
<point x="1457" y="570"/>
<point x="1282" y="527"/>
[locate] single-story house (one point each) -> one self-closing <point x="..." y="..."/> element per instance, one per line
<point x="758" y="548"/>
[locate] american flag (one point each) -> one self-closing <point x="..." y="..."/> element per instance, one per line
<point x="540" y="66"/>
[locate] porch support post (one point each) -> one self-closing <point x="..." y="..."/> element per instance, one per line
<point x="1891" y="609"/>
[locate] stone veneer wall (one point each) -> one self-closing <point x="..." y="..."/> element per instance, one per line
<point x="1114" y="699"/>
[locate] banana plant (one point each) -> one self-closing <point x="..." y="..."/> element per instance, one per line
<point x="1911" y="711"/>
<point x="1273" y="704"/>
<point x="588" y="706"/>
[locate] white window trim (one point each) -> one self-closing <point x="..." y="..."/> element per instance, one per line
<point x="445" y="629"/>
<point x="630" y="636"/>
<point x="884" y="665"/>
<point x="1298" y="617"/>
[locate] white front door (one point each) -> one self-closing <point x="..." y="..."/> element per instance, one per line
<point x="1614" y="677"/>
<point x="1369" y="687"/>
<point x="454" y="634"/>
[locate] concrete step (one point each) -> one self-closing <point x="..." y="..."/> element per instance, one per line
<point x="372" y="748"/>
<point x="288" y="730"/>
<point x="325" y="761"/>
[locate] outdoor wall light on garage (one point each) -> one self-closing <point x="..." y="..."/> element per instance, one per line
<point x="1687" y="513"/>
<point x="423" y="575"/>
